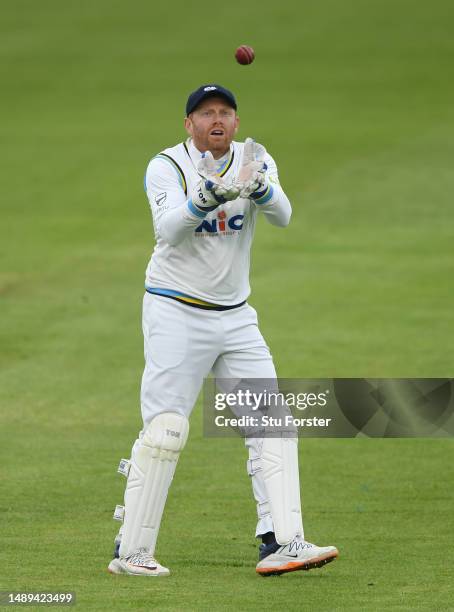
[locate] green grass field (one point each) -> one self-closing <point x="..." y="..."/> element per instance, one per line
<point x="355" y="102"/>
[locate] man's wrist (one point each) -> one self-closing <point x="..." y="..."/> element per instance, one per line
<point x="203" y="199"/>
<point x="195" y="210"/>
<point x="264" y="195"/>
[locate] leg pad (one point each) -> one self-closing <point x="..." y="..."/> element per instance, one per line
<point x="281" y="477"/>
<point x="152" y="467"/>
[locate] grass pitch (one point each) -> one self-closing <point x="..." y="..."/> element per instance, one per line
<point x="354" y="101"/>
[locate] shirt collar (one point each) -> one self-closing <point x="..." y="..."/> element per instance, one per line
<point x="196" y="155"/>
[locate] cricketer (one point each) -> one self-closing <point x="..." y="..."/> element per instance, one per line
<point x="205" y="195"/>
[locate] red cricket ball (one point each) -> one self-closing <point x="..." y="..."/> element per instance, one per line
<point x="244" y="55"/>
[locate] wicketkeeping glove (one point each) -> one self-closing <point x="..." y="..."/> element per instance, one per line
<point x="251" y="178"/>
<point x="212" y="190"/>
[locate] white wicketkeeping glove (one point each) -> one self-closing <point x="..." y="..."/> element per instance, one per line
<point x="212" y="190"/>
<point x="251" y="177"/>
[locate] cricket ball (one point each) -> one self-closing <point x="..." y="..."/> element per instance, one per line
<point x="244" y="55"/>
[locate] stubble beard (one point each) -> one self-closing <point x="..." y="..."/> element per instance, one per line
<point x="217" y="149"/>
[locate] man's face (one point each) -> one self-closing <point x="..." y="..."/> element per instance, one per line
<point x="212" y="126"/>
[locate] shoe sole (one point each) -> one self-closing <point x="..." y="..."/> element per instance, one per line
<point x="294" y="566"/>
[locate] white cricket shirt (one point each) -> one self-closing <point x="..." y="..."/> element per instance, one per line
<point x="204" y="256"/>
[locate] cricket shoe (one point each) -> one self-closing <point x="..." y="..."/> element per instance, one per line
<point x="298" y="555"/>
<point x="140" y="563"/>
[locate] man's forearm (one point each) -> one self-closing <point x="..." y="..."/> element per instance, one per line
<point x="275" y="205"/>
<point x="175" y="224"/>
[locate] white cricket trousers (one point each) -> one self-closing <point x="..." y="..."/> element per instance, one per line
<point x="182" y="345"/>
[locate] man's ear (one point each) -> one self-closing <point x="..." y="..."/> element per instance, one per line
<point x="188" y="125"/>
<point x="237" y="124"/>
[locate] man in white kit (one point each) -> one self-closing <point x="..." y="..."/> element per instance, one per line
<point x="205" y="195"/>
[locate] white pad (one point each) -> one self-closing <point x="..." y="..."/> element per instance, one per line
<point x="281" y="477"/>
<point x="153" y="464"/>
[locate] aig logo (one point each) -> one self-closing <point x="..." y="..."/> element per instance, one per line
<point x="221" y="224"/>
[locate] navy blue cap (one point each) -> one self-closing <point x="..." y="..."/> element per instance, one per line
<point x="209" y="91"/>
